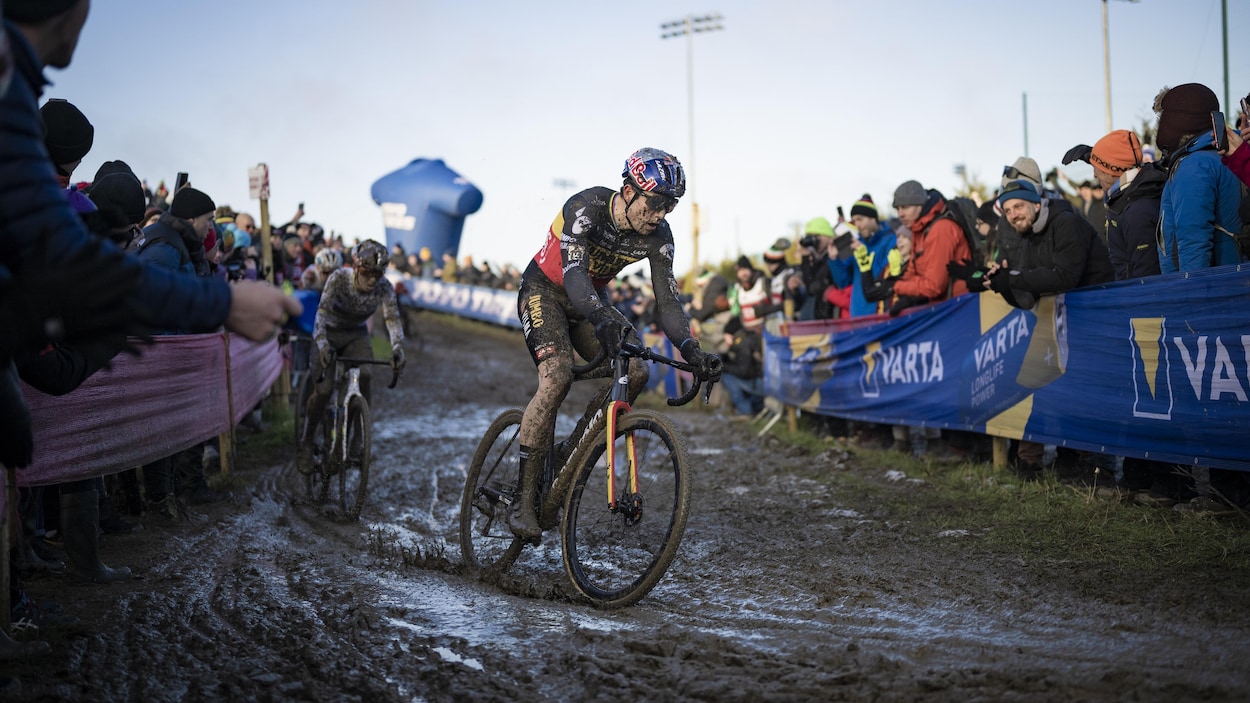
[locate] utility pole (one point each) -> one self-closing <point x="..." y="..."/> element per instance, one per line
<point x="687" y="27"/>
<point x="1106" y="58"/>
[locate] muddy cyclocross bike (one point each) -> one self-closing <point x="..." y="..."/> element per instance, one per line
<point x="618" y="487"/>
<point x="343" y="447"/>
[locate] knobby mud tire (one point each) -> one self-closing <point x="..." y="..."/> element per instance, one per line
<point x="354" y="473"/>
<point x="490" y="490"/>
<point x="612" y="560"/>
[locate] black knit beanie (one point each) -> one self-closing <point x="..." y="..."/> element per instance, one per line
<point x="66" y="132"/>
<point x="190" y="203"/>
<point x="864" y="206"/>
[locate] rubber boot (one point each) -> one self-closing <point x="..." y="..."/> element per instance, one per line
<point x="29" y="560"/>
<point x="524" y="521"/>
<point x="11" y="649"/>
<point x="80" y="523"/>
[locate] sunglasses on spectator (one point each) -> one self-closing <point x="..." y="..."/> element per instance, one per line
<point x="1012" y="172"/>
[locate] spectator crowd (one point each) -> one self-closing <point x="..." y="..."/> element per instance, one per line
<point x="1177" y="205"/>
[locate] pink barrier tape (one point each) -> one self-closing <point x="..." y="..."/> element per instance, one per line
<point x="171" y="398"/>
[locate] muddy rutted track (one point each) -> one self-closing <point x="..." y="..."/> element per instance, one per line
<point x="784" y="589"/>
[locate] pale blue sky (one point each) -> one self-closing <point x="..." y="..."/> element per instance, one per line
<point x="799" y="106"/>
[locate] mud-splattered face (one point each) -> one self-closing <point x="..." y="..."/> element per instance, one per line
<point x="644" y="211"/>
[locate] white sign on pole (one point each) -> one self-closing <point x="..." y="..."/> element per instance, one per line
<point x="258" y="182"/>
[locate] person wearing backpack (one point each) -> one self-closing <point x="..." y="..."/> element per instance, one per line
<point x="937" y="240"/>
<point x="1198" y="218"/>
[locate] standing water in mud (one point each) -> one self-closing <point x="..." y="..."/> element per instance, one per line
<point x="792" y="582"/>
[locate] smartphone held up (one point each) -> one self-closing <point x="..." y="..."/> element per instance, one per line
<point x="1219" y="129"/>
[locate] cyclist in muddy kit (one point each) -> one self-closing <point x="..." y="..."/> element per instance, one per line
<point x="350" y="297"/>
<point x="563" y="301"/>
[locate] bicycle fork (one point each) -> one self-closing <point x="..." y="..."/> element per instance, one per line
<point x="631" y="505"/>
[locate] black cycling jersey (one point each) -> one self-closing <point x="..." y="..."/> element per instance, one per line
<point x="584" y="250"/>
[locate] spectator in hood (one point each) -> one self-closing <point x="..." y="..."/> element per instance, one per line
<point x="1198" y="213"/>
<point x="936" y="242"/>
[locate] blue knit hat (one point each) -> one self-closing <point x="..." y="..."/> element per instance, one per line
<point x="1021" y="189"/>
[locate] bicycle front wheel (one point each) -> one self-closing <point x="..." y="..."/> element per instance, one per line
<point x="354" y="473"/>
<point x="616" y="555"/>
<point x="490" y="490"/>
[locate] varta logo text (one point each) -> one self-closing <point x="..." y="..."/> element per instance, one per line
<point x="916" y="362"/>
<point x="1014" y="330"/>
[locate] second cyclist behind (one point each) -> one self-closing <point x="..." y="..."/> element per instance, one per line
<point x="350" y="297"/>
<point x="563" y="301"/>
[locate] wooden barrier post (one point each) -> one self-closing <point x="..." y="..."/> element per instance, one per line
<point x="225" y="440"/>
<point x="1000" y="452"/>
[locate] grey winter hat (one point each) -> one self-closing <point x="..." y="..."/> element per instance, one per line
<point x="910" y="193"/>
<point x="1023" y="167"/>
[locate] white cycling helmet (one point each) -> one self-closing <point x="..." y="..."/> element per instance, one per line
<point x="329" y="259"/>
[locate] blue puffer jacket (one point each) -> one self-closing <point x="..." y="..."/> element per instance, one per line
<point x="32" y="205"/>
<point x="1198" y="210"/>
<point x="846" y="271"/>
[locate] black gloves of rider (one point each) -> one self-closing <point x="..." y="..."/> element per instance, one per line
<point x="610" y="329"/>
<point x="706" y="366"/>
<point x="397" y="359"/>
<point x="1080" y="152"/>
<point x="974" y="276"/>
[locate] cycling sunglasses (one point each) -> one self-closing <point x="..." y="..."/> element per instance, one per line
<point x="659" y="203"/>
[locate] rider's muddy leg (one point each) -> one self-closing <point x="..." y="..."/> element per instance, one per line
<point x="537" y="429"/>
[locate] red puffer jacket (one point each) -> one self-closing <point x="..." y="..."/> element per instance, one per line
<point x="937" y="242"/>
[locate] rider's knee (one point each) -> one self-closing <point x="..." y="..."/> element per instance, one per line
<point x="639" y="372"/>
<point x="557" y="377"/>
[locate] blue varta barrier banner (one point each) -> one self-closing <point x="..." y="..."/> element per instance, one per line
<point x="479" y="303"/>
<point x="1155" y="368"/>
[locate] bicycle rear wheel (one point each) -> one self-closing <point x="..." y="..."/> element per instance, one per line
<point x="490" y="490"/>
<point x="354" y="473"/>
<point x="615" y="556"/>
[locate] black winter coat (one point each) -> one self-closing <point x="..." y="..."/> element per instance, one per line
<point x="1065" y="254"/>
<point x="1132" y="221"/>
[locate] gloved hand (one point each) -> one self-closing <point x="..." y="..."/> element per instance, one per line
<point x="904" y="302"/>
<point x="1001" y="283"/>
<point x="610" y="330"/>
<point x="864" y="258"/>
<point x="81" y="298"/>
<point x="875" y="291"/>
<point x="708" y="367"/>
<point x="397" y="359"/>
<point x="974" y="276"/>
<point x="1080" y="152"/>
<point x="325" y="357"/>
<point x="895" y="260"/>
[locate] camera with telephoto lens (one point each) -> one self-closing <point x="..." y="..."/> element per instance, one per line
<point x="810" y="241"/>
